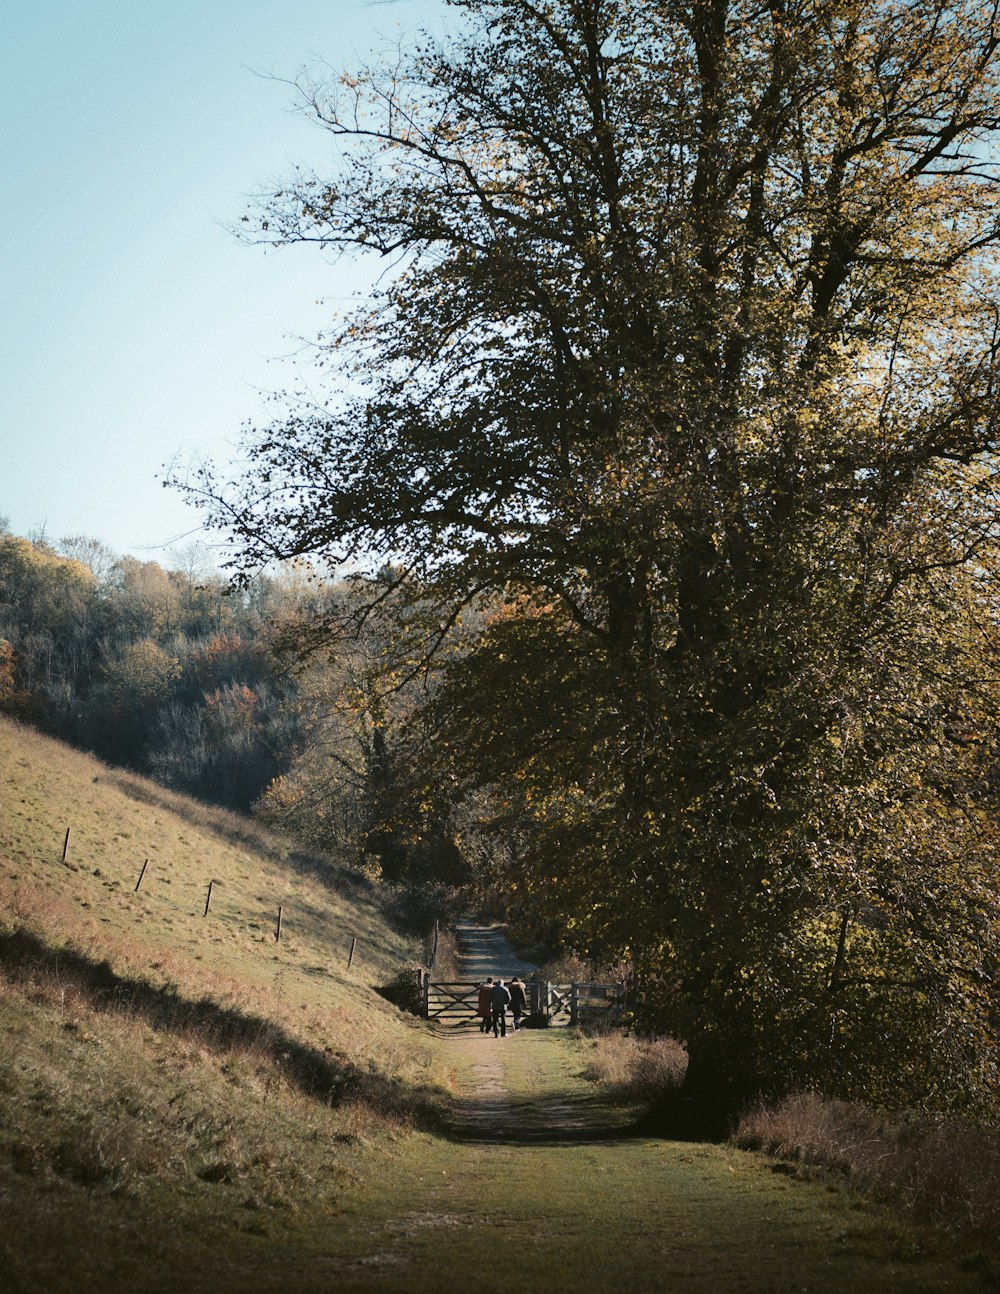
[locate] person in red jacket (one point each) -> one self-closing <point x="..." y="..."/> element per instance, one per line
<point x="484" y="1010"/>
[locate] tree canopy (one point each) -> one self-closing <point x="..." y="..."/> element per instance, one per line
<point x="687" y="364"/>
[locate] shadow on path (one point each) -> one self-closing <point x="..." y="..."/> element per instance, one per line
<point x="487" y="1122"/>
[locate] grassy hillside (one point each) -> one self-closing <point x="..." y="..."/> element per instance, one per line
<point x="168" y="1077"/>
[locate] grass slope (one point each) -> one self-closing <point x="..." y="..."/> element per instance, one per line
<point x="168" y="1078"/>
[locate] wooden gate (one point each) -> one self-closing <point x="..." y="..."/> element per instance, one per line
<point x="456" y="1002"/>
<point x="592" y="1001"/>
<point x="559" y="1003"/>
<point x="579" y="1003"/>
<point x="452" y="1002"/>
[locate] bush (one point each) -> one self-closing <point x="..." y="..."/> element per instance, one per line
<point x="403" y="990"/>
<point x="414" y="908"/>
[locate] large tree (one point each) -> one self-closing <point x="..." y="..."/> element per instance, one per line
<point x="689" y="351"/>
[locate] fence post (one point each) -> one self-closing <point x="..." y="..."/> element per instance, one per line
<point x="277" y="933"/>
<point x="65" y="844"/>
<point x="427" y="994"/>
<point x="574" y="1004"/>
<point x="350" y="955"/>
<point x="208" y="901"/>
<point x="141" y="875"/>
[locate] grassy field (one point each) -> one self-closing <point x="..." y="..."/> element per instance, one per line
<point x="188" y="1104"/>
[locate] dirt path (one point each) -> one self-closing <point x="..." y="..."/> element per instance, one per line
<point x="484" y="950"/>
<point x="515" y="1093"/>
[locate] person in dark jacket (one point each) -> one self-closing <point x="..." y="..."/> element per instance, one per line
<point x="484" y="1009"/>
<point x="518" y="1001"/>
<point x="499" y="1002"/>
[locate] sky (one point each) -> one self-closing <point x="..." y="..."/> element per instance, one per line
<point x="136" y="329"/>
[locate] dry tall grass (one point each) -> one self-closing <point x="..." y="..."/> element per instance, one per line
<point x="947" y="1174"/>
<point x="634" y="1069"/>
<point x="446" y="962"/>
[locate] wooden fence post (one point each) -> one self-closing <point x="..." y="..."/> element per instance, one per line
<point x="350" y="955"/>
<point x="427" y="994"/>
<point x="65" y="844"/>
<point x="574" y="1004"/>
<point x="277" y="933"/>
<point x="208" y="901"/>
<point x="141" y="875"/>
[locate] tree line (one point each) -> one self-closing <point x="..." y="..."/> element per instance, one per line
<point x="153" y="669"/>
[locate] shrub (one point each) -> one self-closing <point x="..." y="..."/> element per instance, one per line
<point x="403" y="990"/>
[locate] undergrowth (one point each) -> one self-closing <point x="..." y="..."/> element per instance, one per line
<point x="944" y="1173"/>
<point x="446" y="962"/>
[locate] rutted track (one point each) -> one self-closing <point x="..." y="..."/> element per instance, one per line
<point x="484" y="950"/>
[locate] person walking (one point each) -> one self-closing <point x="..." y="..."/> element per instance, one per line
<point x="499" y="1001"/>
<point x="484" y="1009"/>
<point x="518" y="1001"/>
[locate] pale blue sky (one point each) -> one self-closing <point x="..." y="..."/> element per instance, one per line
<point x="134" y="327"/>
